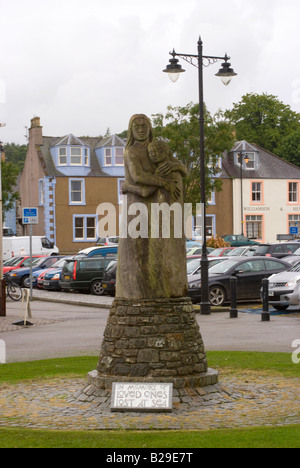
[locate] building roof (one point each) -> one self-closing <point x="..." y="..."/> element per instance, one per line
<point x="269" y="166"/>
<point x="92" y="142"/>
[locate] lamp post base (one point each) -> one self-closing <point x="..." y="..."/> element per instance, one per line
<point x="205" y="308"/>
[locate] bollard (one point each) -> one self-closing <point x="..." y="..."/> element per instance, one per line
<point x="2" y="298"/>
<point x="265" y="316"/>
<point x="233" y="286"/>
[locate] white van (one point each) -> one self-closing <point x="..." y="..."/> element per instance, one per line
<point x="20" y="246"/>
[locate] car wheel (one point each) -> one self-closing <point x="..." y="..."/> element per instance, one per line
<point x="25" y="282"/>
<point x="96" y="288"/>
<point x="217" y="296"/>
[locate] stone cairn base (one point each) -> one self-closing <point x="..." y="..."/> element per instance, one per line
<point x="152" y="341"/>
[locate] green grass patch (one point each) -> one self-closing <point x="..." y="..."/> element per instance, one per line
<point x="46" y="369"/>
<point x="234" y="361"/>
<point x="277" y="437"/>
<point x="224" y="361"/>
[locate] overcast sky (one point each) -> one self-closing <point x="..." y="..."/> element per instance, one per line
<point x="85" y="66"/>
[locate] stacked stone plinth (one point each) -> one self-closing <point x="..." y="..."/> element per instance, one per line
<point x="152" y="341"/>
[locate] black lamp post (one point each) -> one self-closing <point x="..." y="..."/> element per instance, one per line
<point x="226" y="73"/>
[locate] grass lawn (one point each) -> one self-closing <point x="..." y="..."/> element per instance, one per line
<point x="235" y="362"/>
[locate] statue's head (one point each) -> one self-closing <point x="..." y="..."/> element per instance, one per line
<point x="159" y="151"/>
<point x="139" y="129"/>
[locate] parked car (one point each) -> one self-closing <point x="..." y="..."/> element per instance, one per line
<point x="249" y="272"/>
<point x="109" y="278"/>
<point x="241" y="251"/>
<point x="220" y="251"/>
<point x="284" y="288"/>
<point x="194" y="265"/>
<point x="107" y="240"/>
<point x="21" y="276"/>
<point x="277" y="250"/>
<point x="84" y="274"/>
<point x="239" y="240"/>
<point x="190" y="244"/>
<point x="17" y="262"/>
<point x="105" y="251"/>
<point x="49" y="279"/>
<point x="197" y="251"/>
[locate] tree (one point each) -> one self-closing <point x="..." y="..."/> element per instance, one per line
<point x="16" y="154"/>
<point x="180" y="127"/>
<point x="289" y="147"/>
<point x="9" y="173"/>
<point x="263" y="120"/>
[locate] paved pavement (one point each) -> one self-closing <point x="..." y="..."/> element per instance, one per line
<point x="73" y="324"/>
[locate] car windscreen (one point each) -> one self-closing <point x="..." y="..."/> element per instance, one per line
<point x="296" y="267"/>
<point x="262" y="250"/>
<point x="193" y="265"/>
<point x="223" y="267"/>
<point x="12" y="261"/>
<point x="37" y="261"/>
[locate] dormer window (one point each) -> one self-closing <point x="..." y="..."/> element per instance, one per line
<point x="108" y="157"/>
<point x="119" y="159"/>
<point x="248" y="159"/>
<point x="76" y="156"/>
<point x="71" y="151"/>
<point x="62" y="156"/>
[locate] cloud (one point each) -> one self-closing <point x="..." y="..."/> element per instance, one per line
<point x="86" y="66"/>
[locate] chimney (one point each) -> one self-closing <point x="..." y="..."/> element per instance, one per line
<point x="35" y="132"/>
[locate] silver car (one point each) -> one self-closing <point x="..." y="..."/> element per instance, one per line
<point x="284" y="288"/>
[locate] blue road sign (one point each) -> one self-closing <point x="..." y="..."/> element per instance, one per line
<point x="294" y="230"/>
<point x="30" y="216"/>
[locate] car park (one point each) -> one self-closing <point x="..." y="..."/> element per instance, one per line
<point x="284" y="288"/>
<point x="239" y="240"/>
<point x="249" y="273"/>
<point x="21" y="276"/>
<point x="84" y="274"/>
<point x="277" y="250"/>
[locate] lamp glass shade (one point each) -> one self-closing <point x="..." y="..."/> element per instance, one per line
<point x="226" y="80"/>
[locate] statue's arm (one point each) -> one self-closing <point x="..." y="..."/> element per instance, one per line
<point x="139" y="176"/>
<point x="172" y="166"/>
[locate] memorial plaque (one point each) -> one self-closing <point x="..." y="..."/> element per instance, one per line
<point x="138" y="397"/>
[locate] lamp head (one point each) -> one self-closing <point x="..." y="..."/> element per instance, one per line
<point x="226" y="72"/>
<point x="173" y="68"/>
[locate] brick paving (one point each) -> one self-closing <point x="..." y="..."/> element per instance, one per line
<point x="246" y="400"/>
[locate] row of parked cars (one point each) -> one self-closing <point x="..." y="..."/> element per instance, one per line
<point x="280" y="263"/>
<point x="93" y="270"/>
<point x="82" y="272"/>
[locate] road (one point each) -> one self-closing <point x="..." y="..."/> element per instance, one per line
<point x="75" y="326"/>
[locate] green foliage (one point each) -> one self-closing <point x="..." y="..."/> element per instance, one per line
<point x="289" y="147"/>
<point x="180" y="127"/>
<point x="16" y="154"/>
<point x="9" y="173"/>
<point x="267" y="122"/>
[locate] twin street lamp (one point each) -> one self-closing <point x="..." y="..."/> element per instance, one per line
<point x="225" y="73"/>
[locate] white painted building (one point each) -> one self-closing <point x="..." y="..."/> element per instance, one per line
<point x="266" y="192"/>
